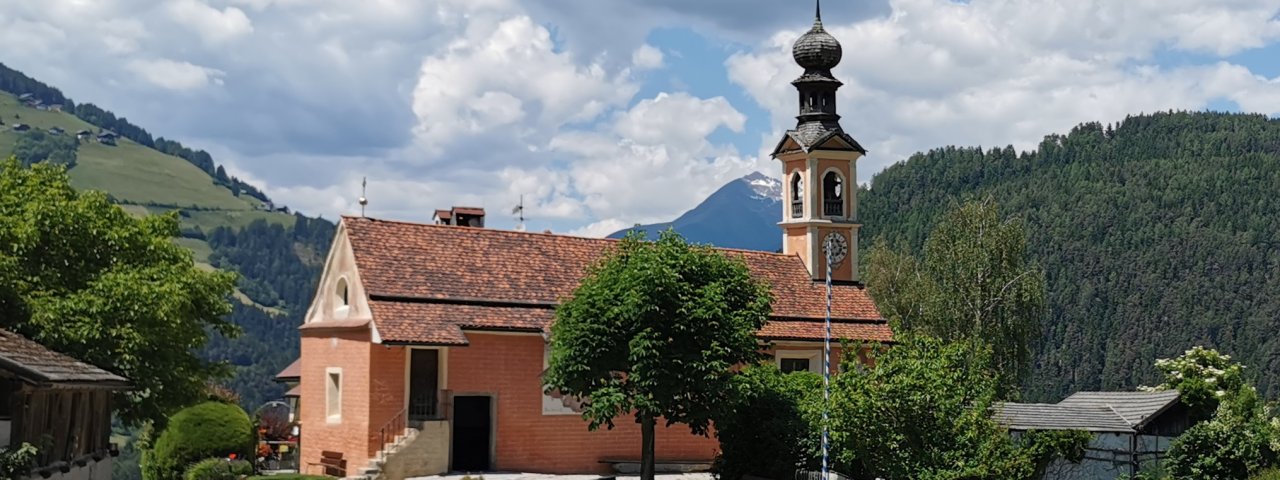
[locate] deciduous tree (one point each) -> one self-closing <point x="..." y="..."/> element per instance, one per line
<point x="974" y="282"/>
<point x="83" y="277"/>
<point x="654" y="331"/>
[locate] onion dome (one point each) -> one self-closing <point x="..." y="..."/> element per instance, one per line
<point x="817" y="49"/>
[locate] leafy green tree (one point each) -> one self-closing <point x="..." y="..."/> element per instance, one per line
<point x="922" y="409"/>
<point x="974" y="283"/>
<point x="1242" y="439"/>
<point x="83" y="277"/>
<point x="771" y="428"/>
<point x="654" y="330"/>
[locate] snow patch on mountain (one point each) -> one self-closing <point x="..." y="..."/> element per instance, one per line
<point x="764" y="186"/>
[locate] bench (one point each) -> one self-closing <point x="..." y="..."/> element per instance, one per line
<point x="632" y="466"/>
<point x="331" y="464"/>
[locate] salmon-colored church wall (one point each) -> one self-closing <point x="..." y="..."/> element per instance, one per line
<point x="322" y="350"/>
<point x="509" y="368"/>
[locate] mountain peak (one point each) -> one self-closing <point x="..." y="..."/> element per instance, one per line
<point x="764" y="186"/>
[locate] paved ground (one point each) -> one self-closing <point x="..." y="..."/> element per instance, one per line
<point x="541" y="476"/>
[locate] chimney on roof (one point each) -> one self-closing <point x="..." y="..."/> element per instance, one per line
<point x="460" y="216"/>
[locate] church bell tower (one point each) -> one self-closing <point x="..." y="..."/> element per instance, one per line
<point x="820" y="205"/>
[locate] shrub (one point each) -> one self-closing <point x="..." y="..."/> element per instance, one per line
<point x="219" y="469"/>
<point x="1269" y="474"/>
<point x="1239" y="441"/>
<point x="207" y="430"/>
<point x="771" y="428"/>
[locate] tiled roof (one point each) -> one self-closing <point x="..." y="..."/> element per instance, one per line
<point x="1090" y="411"/>
<point x="442" y="323"/>
<point x="35" y="363"/>
<point x="468" y="210"/>
<point x="813" y="329"/>
<point x="428" y="282"/>
<point x="295" y="392"/>
<point x="291" y="372"/>
<point x="1052" y="416"/>
<point x="1135" y="407"/>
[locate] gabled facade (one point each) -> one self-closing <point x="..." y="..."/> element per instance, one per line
<point x="444" y="327"/>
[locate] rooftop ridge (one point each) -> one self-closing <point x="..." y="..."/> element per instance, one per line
<point x="549" y="235"/>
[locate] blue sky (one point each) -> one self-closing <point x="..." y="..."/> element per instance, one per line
<point x="606" y="113"/>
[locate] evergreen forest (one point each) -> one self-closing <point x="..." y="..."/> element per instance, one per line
<point x="1156" y="234"/>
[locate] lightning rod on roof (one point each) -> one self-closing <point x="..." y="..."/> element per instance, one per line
<point x="364" y="184"/>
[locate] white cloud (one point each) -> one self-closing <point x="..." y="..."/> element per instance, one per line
<point x="647" y="57"/>
<point x="175" y="75"/>
<point x="480" y="101"/>
<point x="935" y="72"/>
<point x="679" y="119"/>
<point x="506" y="72"/>
<point x="214" y="26"/>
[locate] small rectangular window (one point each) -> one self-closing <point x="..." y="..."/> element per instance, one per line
<point x="789" y="365"/>
<point x="8" y="389"/>
<point x="333" y="394"/>
<point x="799" y="360"/>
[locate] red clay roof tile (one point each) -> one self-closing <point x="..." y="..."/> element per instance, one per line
<point x="497" y="279"/>
<point x="291" y="372"/>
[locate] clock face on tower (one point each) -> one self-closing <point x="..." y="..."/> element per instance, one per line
<point x="835" y="246"/>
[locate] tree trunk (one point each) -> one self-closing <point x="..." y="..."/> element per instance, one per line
<point x="646" y="447"/>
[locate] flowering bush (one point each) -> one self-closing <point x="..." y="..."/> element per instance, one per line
<point x="1204" y="377"/>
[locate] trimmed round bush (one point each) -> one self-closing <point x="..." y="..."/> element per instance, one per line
<point x="208" y="430"/>
<point x="219" y="469"/>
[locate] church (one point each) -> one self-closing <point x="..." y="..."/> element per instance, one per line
<point x="423" y="348"/>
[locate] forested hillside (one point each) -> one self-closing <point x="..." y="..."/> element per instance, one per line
<point x="226" y="223"/>
<point x="1156" y="234"/>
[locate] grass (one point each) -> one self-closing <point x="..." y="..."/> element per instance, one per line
<point x="290" y="476"/>
<point x="199" y="249"/>
<point x="128" y="171"/>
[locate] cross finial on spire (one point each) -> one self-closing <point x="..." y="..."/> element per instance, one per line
<point x="364" y="183"/>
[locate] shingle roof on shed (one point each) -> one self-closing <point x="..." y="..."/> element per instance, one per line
<point x="35" y="363"/>
<point x="1090" y="411"/>
<point x="1135" y="407"/>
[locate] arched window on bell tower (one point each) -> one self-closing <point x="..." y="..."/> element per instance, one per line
<point x="832" y="195"/>
<point x="797" y="195"/>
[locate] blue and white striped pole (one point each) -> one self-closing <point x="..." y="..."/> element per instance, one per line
<point x="826" y="373"/>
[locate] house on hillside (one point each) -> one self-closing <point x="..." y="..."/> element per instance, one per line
<point x="21" y="127"/>
<point x="56" y="131"/>
<point x="107" y="137"/>
<point x="439" y="331"/>
<point x="84" y="135"/>
<point x="60" y="405"/>
<point x="1131" y="430"/>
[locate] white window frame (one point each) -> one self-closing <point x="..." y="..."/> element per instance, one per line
<point x="331" y="404"/>
<point x="814" y="357"/>
<point x="551" y="406"/>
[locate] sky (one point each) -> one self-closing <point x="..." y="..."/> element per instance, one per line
<point x="607" y="113"/>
